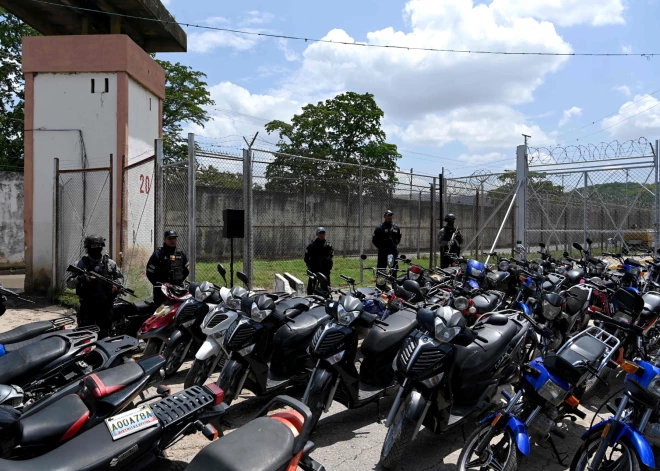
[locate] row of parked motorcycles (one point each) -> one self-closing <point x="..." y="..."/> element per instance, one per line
<point x="443" y="343"/>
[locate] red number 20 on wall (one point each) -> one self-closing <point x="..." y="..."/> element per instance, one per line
<point x="145" y="184"/>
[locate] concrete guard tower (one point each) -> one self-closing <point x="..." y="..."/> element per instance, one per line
<point x="89" y="83"/>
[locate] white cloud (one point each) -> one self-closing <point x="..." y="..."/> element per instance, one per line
<point x="255" y="17"/>
<point x="568" y="114"/>
<point x="626" y="49"/>
<point x="289" y="54"/>
<point x="623" y="89"/>
<point x="211" y="40"/>
<point x="641" y="119"/>
<point x="491" y="126"/>
<point x="565" y="12"/>
<point x="216" y="20"/>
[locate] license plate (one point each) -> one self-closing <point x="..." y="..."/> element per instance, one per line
<point x="131" y="421"/>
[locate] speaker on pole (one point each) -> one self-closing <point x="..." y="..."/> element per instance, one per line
<point x="233" y="223"/>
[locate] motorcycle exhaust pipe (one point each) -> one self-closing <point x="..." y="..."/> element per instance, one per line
<point x="395" y="406"/>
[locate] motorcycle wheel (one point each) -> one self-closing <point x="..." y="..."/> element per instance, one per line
<point x="316" y="403"/>
<point x="174" y="357"/>
<point x="229" y="384"/>
<point x="200" y="370"/>
<point x="622" y="457"/>
<point x="500" y="454"/>
<point x="152" y="348"/>
<point x="398" y="437"/>
<point x="592" y="385"/>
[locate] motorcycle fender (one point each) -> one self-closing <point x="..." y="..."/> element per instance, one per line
<point x="176" y="337"/>
<point x="519" y="430"/>
<point x="415" y="409"/>
<point x="209" y="348"/>
<point x="642" y="447"/>
<point x="231" y="369"/>
<point x="320" y="380"/>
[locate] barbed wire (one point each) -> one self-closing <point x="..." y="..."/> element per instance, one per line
<point x="540" y="156"/>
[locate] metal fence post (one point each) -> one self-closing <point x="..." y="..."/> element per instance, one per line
<point x="656" y="159"/>
<point x="585" y="203"/>
<point x="360" y="222"/>
<point x="433" y="216"/>
<point x="419" y="224"/>
<point x="159" y="185"/>
<point x="521" y="202"/>
<point x="192" y="223"/>
<point x="248" y="247"/>
<point x="56" y="187"/>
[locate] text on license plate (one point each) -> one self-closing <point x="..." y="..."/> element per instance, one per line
<point x="130" y="422"/>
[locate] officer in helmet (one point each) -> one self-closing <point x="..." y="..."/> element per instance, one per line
<point x="96" y="298"/>
<point x="386" y="239"/>
<point x="449" y="248"/>
<point x="318" y="257"/>
<point x="168" y="264"/>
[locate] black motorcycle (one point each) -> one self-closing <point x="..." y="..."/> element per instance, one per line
<point x="32" y="332"/>
<point x="334" y="347"/>
<point x="449" y="373"/>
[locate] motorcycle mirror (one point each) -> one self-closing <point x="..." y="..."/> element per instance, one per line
<point x="243" y="277"/>
<point x="331" y="308"/>
<point x="578" y="246"/>
<point x="589" y="241"/>
<point x="363" y="257"/>
<point x="222" y="271"/>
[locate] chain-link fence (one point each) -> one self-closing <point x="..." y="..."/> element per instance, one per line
<point x="83" y="206"/>
<point x="138" y="223"/>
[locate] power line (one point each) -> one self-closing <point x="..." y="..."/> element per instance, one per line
<point x="346" y="43"/>
<point x="619" y="122"/>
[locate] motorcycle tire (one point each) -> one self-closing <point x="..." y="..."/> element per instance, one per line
<point x="229" y="384"/>
<point x="592" y="386"/>
<point x="316" y="403"/>
<point x="513" y="455"/>
<point x="398" y="437"/>
<point x="152" y="348"/>
<point x="200" y="370"/>
<point x="174" y="357"/>
<point x="590" y="445"/>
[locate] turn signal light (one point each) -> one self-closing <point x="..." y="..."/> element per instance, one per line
<point x="217" y="392"/>
<point x="572" y="401"/>
<point x="605" y="430"/>
<point x="522" y="278"/>
<point x="596" y="309"/>
<point x="496" y="419"/>
<point x="629" y="367"/>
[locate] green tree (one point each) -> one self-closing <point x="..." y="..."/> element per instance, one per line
<point x="537" y="180"/>
<point x="345" y="129"/>
<point x="11" y="88"/>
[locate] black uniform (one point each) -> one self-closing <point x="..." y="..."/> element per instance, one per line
<point x="318" y="258"/>
<point x="166" y="265"/>
<point x="96" y="298"/>
<point x="444" y="236"/>
<point x="386" y="239"/>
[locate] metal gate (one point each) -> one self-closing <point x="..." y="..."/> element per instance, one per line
<point x="83" y="206"/>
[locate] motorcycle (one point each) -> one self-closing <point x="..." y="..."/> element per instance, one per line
<point x="450" y="372"/>
<point x="4" y="294"/>
<point x="628" y="272"/>
<point x="334" y="348"/>
<point x="135" y="439"/>
<point x="75" y="408"/>
<point x="32" y="332"/>
<point x="280" y="442"/>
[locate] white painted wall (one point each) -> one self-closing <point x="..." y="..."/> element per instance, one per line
<point x="11" y="220"/>
<point x="65" y="101"/>
<point x="142" y="121"/>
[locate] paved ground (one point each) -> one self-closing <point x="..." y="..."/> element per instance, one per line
<point x="13" y="281"/>
<point x="350" y="440"/>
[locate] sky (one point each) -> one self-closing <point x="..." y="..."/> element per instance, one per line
<point x="463" y="112"/>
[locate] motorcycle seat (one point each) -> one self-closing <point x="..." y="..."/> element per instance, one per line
<point x="93" y="449"/>
<point x="58" y="422"/>
<point x="236" y="450"/>
<point x="585" y="348"/>
<point x="99" y="385"/>
<point x="25" y="332"/>
<point x="497" y="276"/>
<point x="485" y="302"/>
<point x="290" y="303"/>
<point x="19" y="365"/>
<point x="480" y="356"/>
<point x="12" y="347"/>
<point x="399" y="327"/>
<point x="145" y="306"/>
<point x="651" y="305"/>
<point x="295" y="333"/>
<point x="368" y="292"/>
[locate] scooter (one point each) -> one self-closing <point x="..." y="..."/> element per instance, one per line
<point x="334" y="347"/>
<point x="29" y="333"/>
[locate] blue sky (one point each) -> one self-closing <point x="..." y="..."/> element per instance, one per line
<point x="466" y="112"/>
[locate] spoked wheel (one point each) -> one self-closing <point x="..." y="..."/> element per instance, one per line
<point x="621" y="457"/>
<point x="500" y="453"/>
<point x="174" y="357"/>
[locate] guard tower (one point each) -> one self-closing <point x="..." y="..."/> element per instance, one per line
<point x="92" y="91"/>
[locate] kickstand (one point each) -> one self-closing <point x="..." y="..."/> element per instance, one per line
<point x="556" y="452"/>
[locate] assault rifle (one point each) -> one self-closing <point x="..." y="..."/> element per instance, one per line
<point x="120" y="288"/>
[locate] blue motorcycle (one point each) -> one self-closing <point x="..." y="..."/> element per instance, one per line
<point x="548" y="392"/>
<point x="618" y="443"/>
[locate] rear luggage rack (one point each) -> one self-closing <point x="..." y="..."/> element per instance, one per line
<point x="182" y="404"/>
<point x="62" y="321"/>
<point x="610" y="342"/>
<point x="114" y="346"/>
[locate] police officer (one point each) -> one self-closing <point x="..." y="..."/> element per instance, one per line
<point x="96" y="298"/>
<point x="444" y="237"/>
<point x="318" y="257"/>
<point x="386" y="239"/>
<point x="167" y="265"/>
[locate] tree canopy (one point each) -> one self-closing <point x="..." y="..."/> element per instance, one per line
<point x="343" y="130"/>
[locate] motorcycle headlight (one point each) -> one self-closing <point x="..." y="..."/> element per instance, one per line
<point x="345" y="317"/>
<point x="552" y="392"/>
<point x="503" y="266"/>
<point x="550" y="312"/>
<point x="461" y="303"/>
<point x="234" y="304"/>
<point x="654" y="386"/>
<point x="634" y="271"/>
<point x="257" y="314"/>
<point x="444" y="333"/>
<point x="622" y="316"/>
<point x="380" y="281"/>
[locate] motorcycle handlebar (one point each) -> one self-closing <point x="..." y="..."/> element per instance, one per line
<point x="635" y="329"/>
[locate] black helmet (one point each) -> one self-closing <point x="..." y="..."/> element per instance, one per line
<point x="92" y="240"/>
<point x="450" y="217"/>
<point x="388" y="213"/>
<point x="170" y="233"/>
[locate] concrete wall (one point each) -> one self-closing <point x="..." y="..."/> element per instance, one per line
<point x="143" y="121"/>
<point x="11" y="220"/>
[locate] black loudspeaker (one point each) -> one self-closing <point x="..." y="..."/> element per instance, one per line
<point x="233" y="220"/>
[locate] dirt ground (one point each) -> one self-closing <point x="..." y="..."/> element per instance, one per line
<point x="350" y="440"/>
